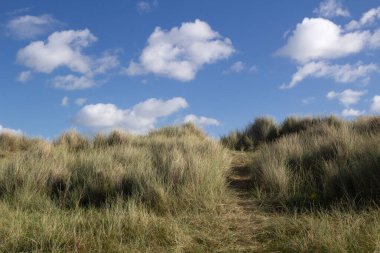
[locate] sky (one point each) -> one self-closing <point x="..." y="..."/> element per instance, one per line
<point x="98" y="65"/>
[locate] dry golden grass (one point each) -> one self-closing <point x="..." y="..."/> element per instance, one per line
<point x="163" y="192"/>
<point x="317" y="184"/>
<point x="306" y="185"/>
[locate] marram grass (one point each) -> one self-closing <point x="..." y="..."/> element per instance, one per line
<point x="311" y="185"/>
<point x="161" y="192"/>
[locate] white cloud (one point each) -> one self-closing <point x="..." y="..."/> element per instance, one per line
<point x="18" y="11"/>
<point x="352" y="112"/>
<point x="24" y="76"/>
<point x="105" y="63"/>
<point x="30" y="27"/>
<point x="65" y="101"/>
<point x="347" y="97"/>
<point x="181" y="52"/>
<point x="10" y="131"/>
<point x="237" y="67"/>
<point x="139" y="119"/>
<point x="80" y="101"/>
<point x="308" y="100"/>
<point x="319" y="39"/>
<point x="71" y="82"/>
<point x="375" y="107"/>
<point x="62" y="49"/>
<point x="145" y="6"/>
<point x="331" y="8"/>
<point x="153" y="107"/>
<point x="340" y="73"/>
<point x="201" y="120"/>
<point x="253" y="69"/>
<point x="367" y="18"/>
<point x="374" y="41"/>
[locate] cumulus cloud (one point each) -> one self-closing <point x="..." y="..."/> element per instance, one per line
<point x="24" y="76"/>
<point x="181" y="52"/>
<point x="65" y="101"/>
<point x="62" y="49"/>
<point x="347" y="97"/>
<point x="65" y="49"/>
<point x="9" y="131"/>
<point x="201" y="120"/>
<point x="331" y="8"/>
<point x="71" y="82"/>
<point x="367" y="18"/>
<point x="321" y="39"/>
<point x="349" y="112"/>
<point x="375" y="107"/>
<point x="80" y="101"/>
<point x="346" y="73"/>
<point x="30" y="27"/>
<point x="139" y="119"/>
<point x="316" y="42"/>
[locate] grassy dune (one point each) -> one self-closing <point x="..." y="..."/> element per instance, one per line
<point x="305" y="185"/>
<point x="317" y="180"/>
<point x="115" y="193"/>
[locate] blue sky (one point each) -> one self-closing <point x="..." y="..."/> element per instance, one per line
<point x="139" y="65"/>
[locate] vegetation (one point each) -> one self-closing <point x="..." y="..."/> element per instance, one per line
<point x="115" y="193"/>
<point x="318" y="181"/>
<point x="305" y="185"/>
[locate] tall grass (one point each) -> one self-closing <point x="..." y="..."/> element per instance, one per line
<point x="322" y="231"/>
<point x="324" y="163"/>
<point x="113" y="193"/>
<point x="167" y="191"/>
<point x="316" y="184"/>
<point x="265" y="130"/>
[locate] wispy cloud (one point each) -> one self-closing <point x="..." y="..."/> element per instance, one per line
<point x="239" y="67"/>
<point x="331" y="9"/>
<point x="80" y="101"/>
<point x="201" y="120"/>
<point x="367" y="18"/>
<point x="350" y="112"/>
<point x="24" y="76"/>
<point x="10" y="131"/>
<point x="347" y="97"/>
<point x="65" y="101"/>
<point x="346" y="73"/>
<point x="71" y="82"/>
<point x="146" y="6"/>
<point x="236" y="67"/>
<point x="30" y="27"/>
<point x="307" y="100"/>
